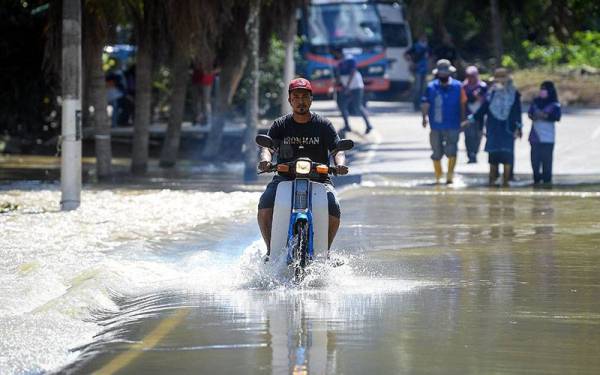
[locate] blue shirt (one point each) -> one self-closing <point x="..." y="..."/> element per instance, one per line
<point x="419" y="53"/>
<point x="444" y="104"/>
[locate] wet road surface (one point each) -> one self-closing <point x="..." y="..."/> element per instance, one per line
<point x="436" y="280"/>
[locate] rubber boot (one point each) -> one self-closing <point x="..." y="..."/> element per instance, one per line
<point x="506" y="174"/>
<point x="437" y="168"/>
<point x="493" y="174"/>
<point x="451" y="165"/>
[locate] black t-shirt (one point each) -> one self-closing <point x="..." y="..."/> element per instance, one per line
<point x="313" y="140"/>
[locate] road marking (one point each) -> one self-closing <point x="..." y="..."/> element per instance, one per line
<point x="148" y="342"/>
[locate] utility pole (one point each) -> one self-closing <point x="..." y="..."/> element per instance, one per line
<point x="253" y="31"/>
<point x="70" y="171"/>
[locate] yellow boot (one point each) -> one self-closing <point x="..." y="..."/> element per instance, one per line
<point x="451" y="165"/>
<point x="437" y="168"/>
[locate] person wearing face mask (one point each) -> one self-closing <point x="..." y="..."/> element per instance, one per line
<point x="544" y="111"/>
<point x="443" y="107"/>
<point x="502" y="114"/>
<point x="475" y="89"/>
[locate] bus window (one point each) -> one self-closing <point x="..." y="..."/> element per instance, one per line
<point x="341" y="25"/>
<point x="394" y="35"/>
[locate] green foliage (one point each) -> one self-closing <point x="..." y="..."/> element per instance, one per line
<point x="585" y="49"/>
<point x="271" y="81"/>
<point x="509" y="62"/>
<point x="550" y="54"/>
<point x="582" y="49"/>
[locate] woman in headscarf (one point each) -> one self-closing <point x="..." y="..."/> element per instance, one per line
<point x="502" y="114"/>
<point x="475" y="89"/>
<point x="544" y="111"/>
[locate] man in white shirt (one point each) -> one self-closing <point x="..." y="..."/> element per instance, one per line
<point x="351" y="90"/>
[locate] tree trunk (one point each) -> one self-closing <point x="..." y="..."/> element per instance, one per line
<point x="143" y="95"/>
<point x="229" y="79"/>
<point x="95" y="94"/>
<point x="98" y="100"/>
<point x="417" y="13"/>
<point x="496" y="32"/>
<point x="289" y="68"/>
<point x="250" y="152"/>
<point x="179" y="73"/>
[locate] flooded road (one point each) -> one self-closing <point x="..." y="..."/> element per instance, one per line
<point x="435" y="280"/>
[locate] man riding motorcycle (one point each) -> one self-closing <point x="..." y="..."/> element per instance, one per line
<point x="300" y="134"/>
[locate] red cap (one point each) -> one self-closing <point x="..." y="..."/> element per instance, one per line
<point x="299" y="83"/>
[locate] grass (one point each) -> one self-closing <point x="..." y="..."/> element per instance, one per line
<point x="575" y="87"/>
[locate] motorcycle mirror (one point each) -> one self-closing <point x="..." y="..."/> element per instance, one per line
<point x="344" y="144"/>
<point x="264" y="141"/>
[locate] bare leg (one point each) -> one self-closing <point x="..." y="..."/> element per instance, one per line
<point x="265" y="222"/>
<point x="506" y="174"/>
<point x="334" y="224"/>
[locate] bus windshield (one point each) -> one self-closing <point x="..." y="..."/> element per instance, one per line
<point x="344" y="25"/>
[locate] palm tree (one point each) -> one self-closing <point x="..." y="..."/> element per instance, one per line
<point x="288" y="36"/>
<point x="96" y="24"/>
<point x="193" y="28"/>
<point x="233" y="57"/>
<point x="145" y="15"/>
<point x="253" y="27"/>
<point x="231" y="60"/>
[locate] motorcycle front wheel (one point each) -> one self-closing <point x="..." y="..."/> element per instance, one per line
<point x="300" y="250"/>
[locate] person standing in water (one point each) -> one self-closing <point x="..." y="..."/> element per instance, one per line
<point x="475" y="89"/>
<point x="544" y="111"/>
<point x="443" y="107"/>
<point x="502" y="114"/>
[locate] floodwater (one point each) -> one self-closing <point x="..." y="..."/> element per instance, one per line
<point x="435" y="280"/>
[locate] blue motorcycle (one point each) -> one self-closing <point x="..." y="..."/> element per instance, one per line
<point x="300" y="215"/>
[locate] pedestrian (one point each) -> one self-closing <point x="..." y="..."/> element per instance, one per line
<point x="351" y="93"/>
<point x="444" y="108"/>
<point x="115" y="96"/>
<point x="418" y="57"/>
<point x="475" y="89"/>
<point x="202" y="85"/>
<point x="502" y="114"/>
<point x="544" y="111"/>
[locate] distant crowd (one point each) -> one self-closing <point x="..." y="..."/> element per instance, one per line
<point x="472" y="106"/>
<point x="449" y="106"/>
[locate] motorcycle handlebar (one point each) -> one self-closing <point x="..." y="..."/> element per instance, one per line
<point x="332" y="170"/>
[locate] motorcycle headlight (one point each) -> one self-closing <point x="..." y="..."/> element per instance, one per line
<point x="302" y="167"/>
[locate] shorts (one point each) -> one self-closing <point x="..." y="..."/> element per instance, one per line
<point x="443" y="142"/>
<point x="267" y="199"/>
<point x="501" y="157"/>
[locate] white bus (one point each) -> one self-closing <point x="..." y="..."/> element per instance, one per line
<point x="397" y="39"/>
